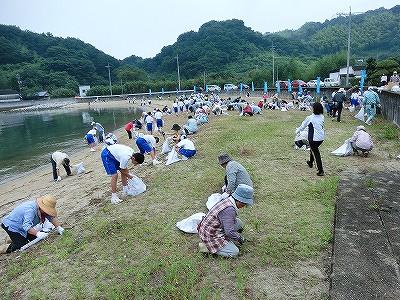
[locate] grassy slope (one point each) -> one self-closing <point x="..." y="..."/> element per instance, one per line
<point x="133" y="250"/>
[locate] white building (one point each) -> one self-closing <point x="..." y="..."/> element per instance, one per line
<point x="83" y="89"/>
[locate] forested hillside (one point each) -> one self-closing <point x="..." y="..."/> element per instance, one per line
<point x="226" y="51"/>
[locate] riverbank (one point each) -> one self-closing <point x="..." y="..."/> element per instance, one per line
<point x="133" y="250"/>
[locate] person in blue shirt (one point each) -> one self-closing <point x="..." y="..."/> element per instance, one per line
<point x="21" y="221"/>
<point x="191" y="125"/>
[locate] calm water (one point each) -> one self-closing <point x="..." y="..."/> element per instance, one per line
<point x="28" y="139"/>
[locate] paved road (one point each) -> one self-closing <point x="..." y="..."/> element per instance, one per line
<point x="366" y="251"/>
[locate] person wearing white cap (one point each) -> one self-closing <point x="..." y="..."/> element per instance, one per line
<point x="218" y="230"/>
<point x="338" y="100"/>
<point x="361" y="141"/>
<point x="371" y="101"/>
<point x="100" y="129"/>
<point x="20" y="222"/>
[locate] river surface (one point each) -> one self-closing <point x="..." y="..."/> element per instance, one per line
<point x="27" y="139"/>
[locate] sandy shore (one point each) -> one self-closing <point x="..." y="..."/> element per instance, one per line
<point x="76" y="193"/>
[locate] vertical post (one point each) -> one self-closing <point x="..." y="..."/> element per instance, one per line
<point x="122" y="88"/>
<point x="204" y="79"/>
<point x="179" y="77"/>
<point x="273" y="64"/>
<point x="109" y="77"/>
<point x="348" y="50"/>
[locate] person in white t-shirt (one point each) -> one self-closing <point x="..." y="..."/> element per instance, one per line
<point x="116" y="158"/>
<point x="159" y="121"/>
<point x="175" y="107"/>
<point x="59" y="159"/>
<point x="149" y="120"/>
<point x="185" y="147"/>
<point x="90" y="137"/>
<point x="147" y="144"/>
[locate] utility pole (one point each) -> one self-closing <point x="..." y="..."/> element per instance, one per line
<point x="109" y="77"/>
<point x="348" y="50"/>
<point x="273" y="63"/>
<point x="19" y="84"/>
<point x="277" y="72"/>
<point x="204" y="80"/>
<point x="122" y="88"/>
<point x="348" y="42"/>
<point x="179" y="77"/>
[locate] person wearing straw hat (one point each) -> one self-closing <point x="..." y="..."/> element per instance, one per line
<point x="361" y="141"/>
<point x="20" y="222"/>
<point x="235" y="174"/>
<point x="219" y="229"/>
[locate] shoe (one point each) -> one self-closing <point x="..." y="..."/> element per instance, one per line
<point x="203" y="248"/>
<point x="309" y="163"/>
<point x="320" y="173"/>
<point x="115" y="200"/>
<point x="156" y="162"/>
<point x="92" y="150"/>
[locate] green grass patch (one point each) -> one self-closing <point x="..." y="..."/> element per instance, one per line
<point x="134" y="251"/>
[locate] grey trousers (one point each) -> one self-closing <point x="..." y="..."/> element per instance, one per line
<point x="230" y="249"/>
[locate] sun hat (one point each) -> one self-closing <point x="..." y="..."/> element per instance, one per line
<point x="176" y="127"/>
<point x="47" y="203"/>
<point x="93" y="123"/>
<point x="360" y="128"/>
<point x="244" y="194"/>
<point x="224" y="158"/>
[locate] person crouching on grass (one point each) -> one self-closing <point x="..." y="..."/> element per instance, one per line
<point x="185" y="147"/>
<point x="20" y="222"/>
<point x="219" y="229"/>
<point x="116" y="158"/>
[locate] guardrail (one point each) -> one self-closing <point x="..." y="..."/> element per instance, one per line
<point x="390" y="106"/>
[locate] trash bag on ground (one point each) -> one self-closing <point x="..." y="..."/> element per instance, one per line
<point x="166" y="148"/>
<point x="360" y="114"/>
<point x="78" y="168"/>
<point x="136" y="186"/>
<point x="172" y="157"/>
<point x="189" y="225"/>
<point x="344" y="150"/>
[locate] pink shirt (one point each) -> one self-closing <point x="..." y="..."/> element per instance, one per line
<point x="362" y="139"/>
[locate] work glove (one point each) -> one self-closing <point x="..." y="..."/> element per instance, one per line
<point x="59" y="178"/>
<point x="60" y="230"/>
<point x="41" y="235"/>
<point x="241" y="240"/>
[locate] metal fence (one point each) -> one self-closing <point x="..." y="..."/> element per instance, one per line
<point x="391" y="106"/>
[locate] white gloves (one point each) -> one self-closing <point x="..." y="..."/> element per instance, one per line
<point x="41" y="235"/>
<point x="59" y="178"/>
<point x="60" y="230"/>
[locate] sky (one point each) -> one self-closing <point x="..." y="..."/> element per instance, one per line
<point x="122" y="28"/>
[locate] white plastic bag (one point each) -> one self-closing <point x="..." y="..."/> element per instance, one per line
<point x="189" y="225"/>
<point x="360" y="114"/>
<point x="166" y="148"/>
<point x="46" y="226"/>
<point x="78" y="168"/>
<point x="136" y="186"/>
<point x="172" y="157"/>
<point x="344" y="150"/>
<point x="352" y="108"/>
<point x="212" y="200"/>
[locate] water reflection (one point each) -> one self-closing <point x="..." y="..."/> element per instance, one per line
<point x="28" y="138"/>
